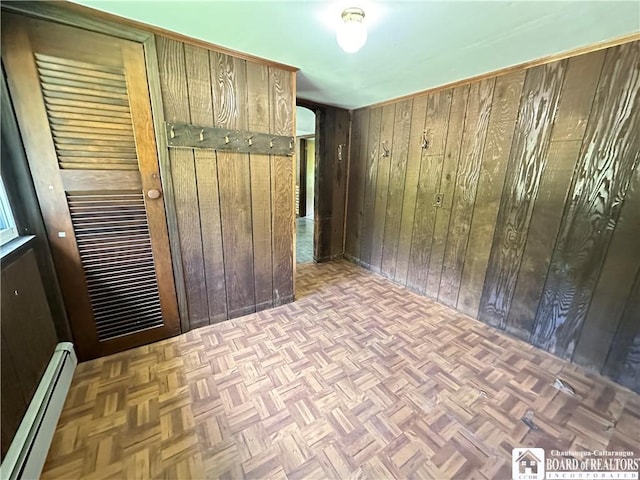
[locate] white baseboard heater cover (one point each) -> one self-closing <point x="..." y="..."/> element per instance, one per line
<point x="28" y="450"/>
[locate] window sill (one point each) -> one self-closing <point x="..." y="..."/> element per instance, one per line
<point x="15" y="246"/>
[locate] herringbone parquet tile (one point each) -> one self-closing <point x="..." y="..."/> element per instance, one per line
<point x="357" y="379"/>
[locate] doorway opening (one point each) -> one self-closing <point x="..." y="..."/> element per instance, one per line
<point x="305" y="183"/>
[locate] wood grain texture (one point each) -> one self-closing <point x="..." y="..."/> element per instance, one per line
<point x="395" y="189"/>
<point x="325" y="171"/>
<point x="228" y="79"/>
<point x="340" y="158"/>
<point x="282" y="191"/>
<point x="445" y="187"/>
<point x="623" y="360"/>
<point x="357" y="167"/>
<point x="385" y="151"/>
<point x="615" y="284"/>
<point x="469" y="167"/>
<point x="412" y="175"/>
<point x="198" y="75"/>
<point x="504" y="110"/>
<point x="371" y="175"/>
<point x="611" y="152"/>
<point x="388" y="385"/>
<point x="528" y="159"/>
<point x="437" y="114"/>
<point x="574" y="106"/>
<point x="173" y="79"/>
<point x="260" y="166"/>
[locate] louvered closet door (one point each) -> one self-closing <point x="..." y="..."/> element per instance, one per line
<point x="83" y="107"/>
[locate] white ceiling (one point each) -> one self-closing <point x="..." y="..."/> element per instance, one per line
<point x="412" y="46"/>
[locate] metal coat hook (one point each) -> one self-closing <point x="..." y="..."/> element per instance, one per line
<point x="425" y="140"/>
<point x="271" y="143"/>
<point x="340" y="147"/>
<point x="385" y="149"/>
<point x="202" y="135"/>
<point x="250" y="140"/>
<point x="172" y="132"/>
<point x="226" y="138"/>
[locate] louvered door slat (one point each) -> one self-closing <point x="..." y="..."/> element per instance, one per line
<point x="102" y="265"/>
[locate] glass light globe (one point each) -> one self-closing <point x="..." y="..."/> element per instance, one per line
<point x="352" y="34"/>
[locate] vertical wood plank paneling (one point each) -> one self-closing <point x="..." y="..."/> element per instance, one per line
<point x="611" y="152"/>
<point x="282" y="194"/>
<point x="528" y="155"/>
<point x="623" y="361"/>
<point x="325" y="172"/>
<point x="382" y="185"/>
<point x="446" y="183"/>
<point x="437" y="112"/>
<point x="339" y="181"/>
<point x="504" y="110"/>
<point x="575" y="102"/>
<point x="397" y="174"/>
<point x="228" y="80"/>
<point x="198" y="73"/>
<point x="260" y="173"/>
<point x="418" y="114"/>
<point x="371" y="176"/>
<point x="614" y="285"/>
<point x="473" y="140"/>
<point x="171" y="61"/>
<point x="357" y="166"/>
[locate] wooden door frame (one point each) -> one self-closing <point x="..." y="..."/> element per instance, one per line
<point x="64" y="15"/>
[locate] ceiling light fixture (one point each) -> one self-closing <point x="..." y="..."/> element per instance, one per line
<point x="352" y="34"/>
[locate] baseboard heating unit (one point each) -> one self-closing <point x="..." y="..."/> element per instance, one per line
<point x="28" y="450"/>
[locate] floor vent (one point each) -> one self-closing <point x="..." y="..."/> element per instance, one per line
<point x="28" y="450"/>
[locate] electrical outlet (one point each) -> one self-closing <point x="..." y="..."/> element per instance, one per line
<point x="437" y="200"/>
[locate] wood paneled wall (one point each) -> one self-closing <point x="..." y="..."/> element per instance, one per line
<point x="331" y="167"/>
<point x="539" y="212"/>
<point x="235" y="211"/>
<point x="28" y="338"/>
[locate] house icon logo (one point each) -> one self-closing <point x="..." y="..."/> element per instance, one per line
<point x="527" y="463"/>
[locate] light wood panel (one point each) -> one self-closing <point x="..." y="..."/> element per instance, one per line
<point x="533" y="168"/>
<point x="234" y="214"/>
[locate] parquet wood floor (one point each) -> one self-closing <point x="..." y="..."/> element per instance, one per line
<point x="359" y="378"/>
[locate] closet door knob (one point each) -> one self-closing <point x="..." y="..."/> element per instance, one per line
<point x="153" y="193"/>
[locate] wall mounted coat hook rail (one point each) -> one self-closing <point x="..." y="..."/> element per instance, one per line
<point x="185" y="135"/>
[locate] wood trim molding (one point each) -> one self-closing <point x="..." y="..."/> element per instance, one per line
<point x="631" y="37"/>
<point x="103" y="22"/>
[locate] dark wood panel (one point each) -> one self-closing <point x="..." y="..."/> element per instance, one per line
<point x="445" y="184"/>
<point x="340" y="158"/>
<point x="614" y="285"/>
<point x="469" y="165"/>
<point x="623" y="361"/>
<point x="371" y="176"/>
<point x="357" y="168"/>
<point x="611" y="152"/>
<point x="171" y="62"/>
<point x="543" y="229"/>
<point x="437" y="114"/>
<point x="385" y="149"/>
<point x="395" y="190"/>
<point x="412" y="175"/>
<point x="574" y="105"/>
<point x="282" y="187"/>
<point x="504" y="110"/>
<point x="198" y="73"/>
<point x="325" y="171"/>
<point x="228" y="78"/>
<point x="28" y="338"/>
<point x="528" y="159"/>
<point x="260" y="165"/>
